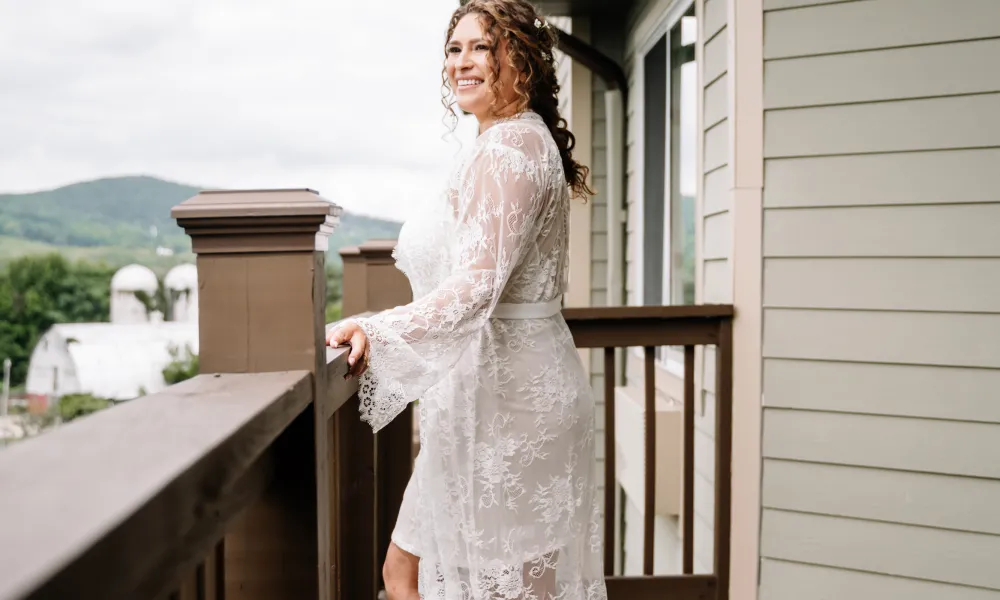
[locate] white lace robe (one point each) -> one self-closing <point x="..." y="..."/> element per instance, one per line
<point x="502" y="502"/>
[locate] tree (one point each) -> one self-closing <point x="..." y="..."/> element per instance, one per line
<point x="334" y="276"/>
<point x="158" y="301"/>
<point x="182" y="366"/>
<point x="39" y="291"/>
<point x="73" y="406"/>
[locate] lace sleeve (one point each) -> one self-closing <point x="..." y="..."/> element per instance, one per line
<point x="413" y="346"/>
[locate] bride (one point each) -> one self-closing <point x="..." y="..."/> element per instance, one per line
<point x="502" y="502"/>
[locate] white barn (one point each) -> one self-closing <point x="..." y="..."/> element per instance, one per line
<point x="122" y="359"/>
<point x="108" y="360"/>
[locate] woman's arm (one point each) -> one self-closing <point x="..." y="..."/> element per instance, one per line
<point x="412" y="347"/>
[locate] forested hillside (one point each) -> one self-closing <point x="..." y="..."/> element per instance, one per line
<point x="125" y="219"/>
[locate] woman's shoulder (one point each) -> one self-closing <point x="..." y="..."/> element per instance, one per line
<point x="521" y="137"/>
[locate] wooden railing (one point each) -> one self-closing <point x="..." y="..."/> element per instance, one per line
<point x="646" y="327"/>
<point x="650" y="327"/>
<point x="253" y="480"/>
<point x="256" y="479"/>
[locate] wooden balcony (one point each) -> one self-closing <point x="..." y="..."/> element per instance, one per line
<point x="256" y="479"/>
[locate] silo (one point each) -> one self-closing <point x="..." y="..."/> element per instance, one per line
<point x="182" y="287"/>
<point x="125" y="306"/>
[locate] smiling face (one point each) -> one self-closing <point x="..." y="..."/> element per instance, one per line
<point x="470" y="72"/>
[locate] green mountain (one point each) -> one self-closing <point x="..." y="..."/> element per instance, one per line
<point x="125" y="219"/>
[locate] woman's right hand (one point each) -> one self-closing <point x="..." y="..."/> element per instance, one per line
<point x="352" y="334"/>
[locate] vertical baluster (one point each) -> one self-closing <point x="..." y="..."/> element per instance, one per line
<point x="723" y="454"/>
<point x="357" y="549"/>
<point x="208" y="576"/>
<point x="187" y="587"/>
<point x="650" y="487"/>
<point x="610" y="480"/>
<point x="394" y="460"/>
<point x="201" y="579"/>
<point x="219" y="578"/>
<point x="689" y="407"/>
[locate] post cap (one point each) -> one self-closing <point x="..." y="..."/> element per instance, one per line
<point x="267" y="220"/>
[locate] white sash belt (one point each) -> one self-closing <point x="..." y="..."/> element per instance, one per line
<point x="536" y="310"/>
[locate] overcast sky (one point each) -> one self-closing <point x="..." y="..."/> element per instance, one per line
<point x="342" y="96"/>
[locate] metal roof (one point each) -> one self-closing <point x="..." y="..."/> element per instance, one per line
<point x="118" y="361"/>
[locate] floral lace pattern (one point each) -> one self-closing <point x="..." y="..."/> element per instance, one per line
<point x="501" y="504"/>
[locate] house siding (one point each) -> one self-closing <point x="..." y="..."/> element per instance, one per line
<point x="598" y="249"/>
<point x="881" y="437"/>
<point x="715" y="249"/>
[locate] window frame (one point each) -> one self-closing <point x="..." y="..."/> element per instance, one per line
<point x="670" y="359"/>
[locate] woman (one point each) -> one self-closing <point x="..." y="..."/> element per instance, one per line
<point x="501" y="503"/>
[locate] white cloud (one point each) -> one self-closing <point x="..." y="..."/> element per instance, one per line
<point x="343" y="97"/>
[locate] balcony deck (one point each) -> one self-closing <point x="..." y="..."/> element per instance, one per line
<point x="256" y="479"/>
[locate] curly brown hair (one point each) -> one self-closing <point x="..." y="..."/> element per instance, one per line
<point x="530" y="45"/>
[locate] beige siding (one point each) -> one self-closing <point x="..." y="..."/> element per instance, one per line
<point x="783" y="580"/>
<point x="716" y="146"/>
<point x="598" y="244"/>
<point x="923" y="391"/>
<point x="894" y="337"/>
<point x="598" y="203"/>
<point x="881" y="495"/>
<point x="901" y="443"/>
<point x="714" y="18"/>
<point x="881" y="431"/>
<point x="713" y="254"/>
<point x="925" y="284"/>
<point x="926" y="177"/>
<point x="917" y="552"/>
<point x="952" y="230"/>
<point x="716" y="101"/>
<point x="884" y="74"/>
<point x="717" y="282"/>
<point x="781" y="4"/>
<point x="718" y="239"/>
<point x="875" y="24"/>
<point x="715" y="57"/>
<point x="715" y="195"/>
<point x="906" y="125"/>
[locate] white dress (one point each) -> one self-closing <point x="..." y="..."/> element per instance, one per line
<point x="502" y="502"/>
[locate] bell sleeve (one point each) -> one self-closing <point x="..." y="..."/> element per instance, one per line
<point x="414" y="346"/>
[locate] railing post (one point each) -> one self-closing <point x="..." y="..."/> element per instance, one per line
<point x="376" y="284"/>
<point x="372" y="283"/>
<point x="261" y="280"/>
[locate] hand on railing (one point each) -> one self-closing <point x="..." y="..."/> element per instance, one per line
<point x="351" y="333"/>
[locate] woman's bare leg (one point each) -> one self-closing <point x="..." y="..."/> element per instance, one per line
<point x="540" y="576"/>
<point x="400" y="574"/>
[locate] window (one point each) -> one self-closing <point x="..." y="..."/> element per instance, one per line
<point x="683" y="154"/>
<point x="654" y="182"/>
<point x="669" y="168"/>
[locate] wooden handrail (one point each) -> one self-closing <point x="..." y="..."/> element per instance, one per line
<point x="624" y="326"/>
<point x="338" y="389"/>
<point x="117" y="505"/>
